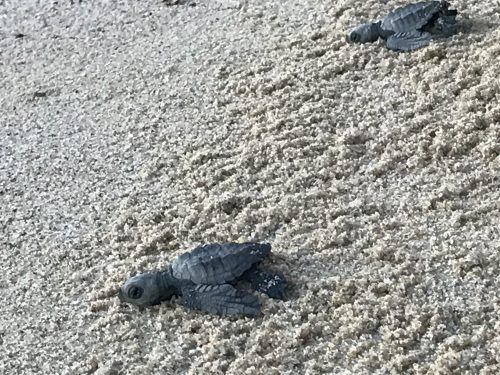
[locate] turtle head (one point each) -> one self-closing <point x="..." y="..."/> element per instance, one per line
<point x="364" y="33"/>
<point x="142" y="290"/>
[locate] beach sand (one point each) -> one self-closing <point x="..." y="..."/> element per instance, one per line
<point x="133" y="131"/>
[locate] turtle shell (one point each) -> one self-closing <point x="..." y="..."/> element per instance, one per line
<point x="218" y="263"/>
<point x="412" y="16"/>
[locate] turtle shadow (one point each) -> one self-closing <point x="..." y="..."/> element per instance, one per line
<point x="477" y="26"/>
<point x="170" y="3"/>
<point x="302" y="273"/>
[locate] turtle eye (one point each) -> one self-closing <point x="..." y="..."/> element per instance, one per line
<point x="135" y="292"/>
<point x="355" y="37"/>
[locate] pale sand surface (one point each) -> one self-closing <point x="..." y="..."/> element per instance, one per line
<point x="375" y="175"/>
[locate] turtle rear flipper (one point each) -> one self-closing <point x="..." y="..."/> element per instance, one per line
<point x="272" y="284"/>
<point x="408" y="41"/>
<point x="444" y="26"/>
<point x="221" y="299"/>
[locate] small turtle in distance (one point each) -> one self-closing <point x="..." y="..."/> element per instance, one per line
<point x="204" y="278"/>
<point x="409" y="27"/>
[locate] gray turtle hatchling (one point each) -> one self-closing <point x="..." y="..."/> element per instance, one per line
<point x="409" y="27"/>
<point x="205" y="279"/>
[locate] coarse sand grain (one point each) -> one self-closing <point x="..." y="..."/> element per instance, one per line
<point x="132" y="131"/>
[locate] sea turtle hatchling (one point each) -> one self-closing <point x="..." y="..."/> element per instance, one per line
<point x="409" y="27"/>
<point x="205" y="279"/>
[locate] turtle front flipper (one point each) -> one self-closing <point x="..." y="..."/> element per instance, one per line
<point x="408" y="41"/>
<point x="273" y="285"/>
<point x="221" y="299"/>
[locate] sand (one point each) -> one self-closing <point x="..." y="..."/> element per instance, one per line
<point x="132" y="131"/>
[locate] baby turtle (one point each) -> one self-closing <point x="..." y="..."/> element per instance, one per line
<point x="204" y="278"/>
<point x="409" y="27"/>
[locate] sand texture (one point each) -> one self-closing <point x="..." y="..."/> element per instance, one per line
<point x="132" y="131"/>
